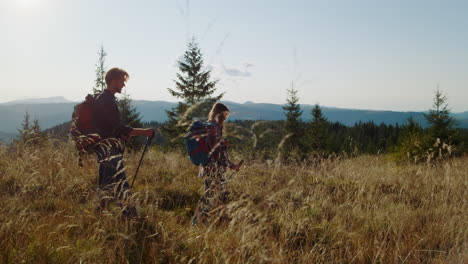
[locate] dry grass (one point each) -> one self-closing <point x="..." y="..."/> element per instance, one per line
<point x="360" y="210"/>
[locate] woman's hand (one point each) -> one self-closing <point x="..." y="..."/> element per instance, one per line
<point x="235" y="167"/>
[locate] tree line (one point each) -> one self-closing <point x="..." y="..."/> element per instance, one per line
<point x="292" y="138"/>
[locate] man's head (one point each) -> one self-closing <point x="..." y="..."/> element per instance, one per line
<point x="115" y="80"/>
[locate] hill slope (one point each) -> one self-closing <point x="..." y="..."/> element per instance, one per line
<point x="358" y="210"/>
<point x="52" y="114"/>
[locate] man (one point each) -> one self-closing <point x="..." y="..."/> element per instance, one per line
<point x="113" y="182"/>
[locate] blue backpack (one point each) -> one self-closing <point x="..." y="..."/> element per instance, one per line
<point x="195" y="142"/>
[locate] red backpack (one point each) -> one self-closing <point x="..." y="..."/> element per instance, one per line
<point x="81" y="128"/>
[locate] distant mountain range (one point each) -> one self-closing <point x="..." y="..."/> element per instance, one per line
<point x="7" y="137"/>
<point x="48" y="100"/>
<point x="53" y="111"/>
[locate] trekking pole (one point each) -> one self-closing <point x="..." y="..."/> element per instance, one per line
<point x="148" y="142"/>
<point x="232" y="174"/>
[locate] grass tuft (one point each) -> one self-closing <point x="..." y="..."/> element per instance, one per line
<point x="364" y="209"/>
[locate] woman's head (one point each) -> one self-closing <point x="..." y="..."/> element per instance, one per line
<point x="219" y="113"/>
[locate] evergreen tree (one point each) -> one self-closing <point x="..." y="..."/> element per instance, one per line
<point x="317" y="135"/>
<point x="412" y="145"/>
<point x="412" y="128"/>
<point x="294" y="125"/>
<point x="36" y="128"/>
<point x="30" y="135"/>
<point x="100" y="82"/>
<point x="440" y="121"/>
<point x="37" y="137"/>
<point x="441" y="134"/>
<point x="25" y="131"/>
<point x="129" y="116"/>
<point x="194" y="87"/>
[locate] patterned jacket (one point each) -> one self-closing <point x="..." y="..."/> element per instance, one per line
<point x="218" y="156"/>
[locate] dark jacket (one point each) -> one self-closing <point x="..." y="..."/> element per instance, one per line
<point x="106" y="117"/>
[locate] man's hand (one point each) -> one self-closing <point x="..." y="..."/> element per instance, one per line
<point x="236" y="167"/>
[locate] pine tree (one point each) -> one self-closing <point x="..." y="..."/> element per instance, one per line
<point x="293" y="126"/>
<point x="441" y="133"/>
<point x="440" y="121"/>
<point x="412" y="127"/>
<point x="100" y="82"/>
<point x="25" y="131"/>
<point x="194" y="87"/>
<point x="412" y="144"/>
<point x="37" y="137"/>
<point x="129" y="115"/>
<point x="30" y="135"/>
<point x="36" y="128"/>
<point x="317" y="135"/>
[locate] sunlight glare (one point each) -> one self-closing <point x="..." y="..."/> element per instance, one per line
<point x="27" y="3"/>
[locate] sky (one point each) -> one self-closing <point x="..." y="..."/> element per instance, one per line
<point x="362" y="54"/>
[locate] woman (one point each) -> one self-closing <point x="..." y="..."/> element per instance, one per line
<point x="214" y="172"/>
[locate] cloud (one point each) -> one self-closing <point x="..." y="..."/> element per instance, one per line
<point x="236" y="72"/>
<point x="221" y="69"/>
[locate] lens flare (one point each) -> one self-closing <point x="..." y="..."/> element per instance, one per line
<point x="28" y="3"/>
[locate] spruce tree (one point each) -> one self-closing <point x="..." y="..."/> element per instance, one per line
<point x="412" y="145"/>
<point x="129" y="115"/>
<point x="30" y="135"/>
<point x="442" y="134"/>
<point x="440" y="121"/>
<point x="194" y="87"/>
<point x="36" y="128"/>
<point x="100" y="82"/>
<point x="317" y="135"/>
<point x="25" y="131"/>
<point x="37" y="137"/>
<point x="294" y="125"/>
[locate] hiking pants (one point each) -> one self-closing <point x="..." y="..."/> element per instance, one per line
<point x="216" y="193"/>
<point x="112" y="176"/>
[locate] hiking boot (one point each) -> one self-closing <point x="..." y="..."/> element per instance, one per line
<point x="200" y="217"/>
<point x="129" y="212"/>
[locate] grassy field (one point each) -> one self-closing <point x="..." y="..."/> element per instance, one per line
<point x="359" y="210"/>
